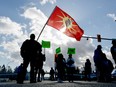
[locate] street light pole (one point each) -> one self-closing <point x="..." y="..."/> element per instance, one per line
<point x="96" y="38"/>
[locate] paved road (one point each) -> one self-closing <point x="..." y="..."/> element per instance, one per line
<point x="56" y="84"/>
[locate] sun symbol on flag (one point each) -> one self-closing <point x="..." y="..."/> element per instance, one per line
<point x="67" y="24"/>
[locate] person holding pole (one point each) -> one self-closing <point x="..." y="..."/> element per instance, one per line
<point x="39" y="66"/>
<point x="29" y="51"/>
<point x="70" y="67"/>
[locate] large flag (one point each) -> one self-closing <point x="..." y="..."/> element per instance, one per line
<point x="45" y="44"/>
<point x="63" y="22"/>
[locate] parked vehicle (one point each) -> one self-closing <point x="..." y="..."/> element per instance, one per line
<point x="113" y="74"/>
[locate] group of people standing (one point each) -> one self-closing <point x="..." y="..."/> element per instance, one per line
<point x="64" y="67"/>
<point x="31" y="52"/>
<point x="103" y="65"/>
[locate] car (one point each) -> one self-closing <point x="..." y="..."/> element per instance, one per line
<point x="113" y="74"/>
<point x="93" y="77"/>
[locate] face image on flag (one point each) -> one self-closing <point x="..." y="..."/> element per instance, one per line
<point x="61" y="21"/>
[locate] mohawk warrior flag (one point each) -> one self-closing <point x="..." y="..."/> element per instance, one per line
<point x="61" y="21"/>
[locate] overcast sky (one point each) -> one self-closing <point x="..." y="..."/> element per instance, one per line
<point x="20" y="18"/>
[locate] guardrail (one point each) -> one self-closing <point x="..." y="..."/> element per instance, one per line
<point x="10" y="76"/>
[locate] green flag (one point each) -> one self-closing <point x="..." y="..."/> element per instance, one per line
<point x="45" y="44"/>
<point x="71" y="51"/>
<point x="58" y="50"/>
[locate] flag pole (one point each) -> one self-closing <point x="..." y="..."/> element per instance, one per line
<point x="44" y="50"/>
<point x="45" y="24"/>
<point x="42" y="30"/>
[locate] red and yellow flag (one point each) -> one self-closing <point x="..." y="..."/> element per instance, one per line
<point x="63" y="22"/>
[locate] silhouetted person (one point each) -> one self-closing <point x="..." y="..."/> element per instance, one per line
<point x="70" y="68"/>
<point x="39" y="65"/>
<point x="110" y="65"/>
<point x="42" y="74"/>
<point x="60" y="63"/>
<point x="55" y="65"/>
<point x="87" y="70"/>
<point x="98" y="62"/>
<point x="29" y="51"/>
<point x="77" y="70"/>
<point x="113" y="50"/>
<point x="52" y="74"/>
<point x="19" y="72"/>
<point x="107" y="68"/>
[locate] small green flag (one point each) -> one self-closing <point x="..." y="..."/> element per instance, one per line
<point x="71" y="51"/>
<point x="45" y="44"/>
<point x="58" y="50"/>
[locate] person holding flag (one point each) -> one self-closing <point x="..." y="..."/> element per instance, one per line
<point x="70" y="68"/>
<point x="40" y="59"/>
<point x="61" y="63"/>
<point x="29" y="51"/>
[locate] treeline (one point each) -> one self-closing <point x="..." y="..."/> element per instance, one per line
<point x="7" y="69"/>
